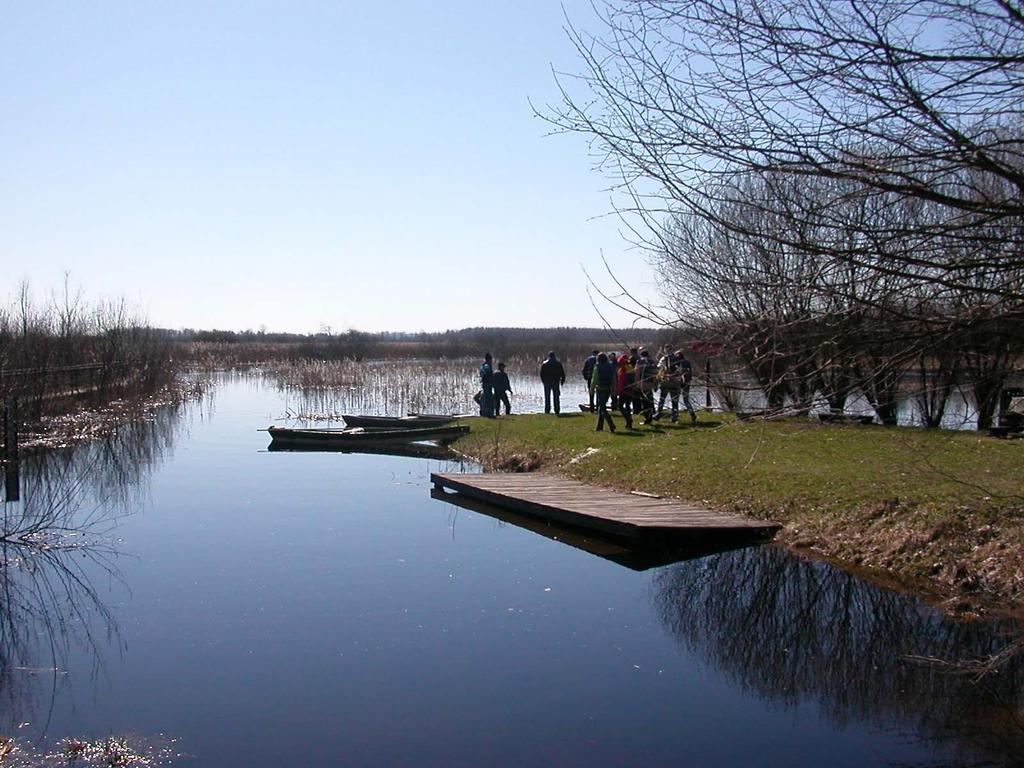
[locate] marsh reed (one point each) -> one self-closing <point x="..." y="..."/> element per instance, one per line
<point x="323" y="390"/>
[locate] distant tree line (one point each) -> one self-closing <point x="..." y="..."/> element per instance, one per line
<point x="831" y="191"/>
<point x="253" y="346"/>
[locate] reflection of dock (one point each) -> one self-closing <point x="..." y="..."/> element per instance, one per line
<point x="613" y="513"/>
<point x="629" y="554"/>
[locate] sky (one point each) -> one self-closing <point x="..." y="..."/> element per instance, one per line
<point x="304" y="165"/>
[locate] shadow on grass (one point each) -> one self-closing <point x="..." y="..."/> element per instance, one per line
<point x="690" y="425"/>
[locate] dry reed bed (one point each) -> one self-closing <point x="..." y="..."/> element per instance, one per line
<point x="326" y="389"/>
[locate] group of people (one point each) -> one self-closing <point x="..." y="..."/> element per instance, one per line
<point x="494" y="389"/>
<point x="623" y="382"/>
<point x="627" y="383"/>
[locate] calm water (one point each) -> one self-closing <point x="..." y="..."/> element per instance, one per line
<point x="268" y="609"/>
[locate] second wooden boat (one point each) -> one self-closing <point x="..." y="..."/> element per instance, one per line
<point x="397" y="422"/>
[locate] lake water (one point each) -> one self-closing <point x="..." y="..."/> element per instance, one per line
<point x="276" y="608"/>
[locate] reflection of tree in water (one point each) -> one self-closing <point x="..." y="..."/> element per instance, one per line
<point x="48" y="607"/>
<point x="789" y="630"/>
<point x="54" y="543"/>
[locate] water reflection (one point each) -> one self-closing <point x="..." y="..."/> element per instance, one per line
<point x="636" y="556"/>
<point x="56" y="542"/>
<point x="11" y="482"/>
<point x="406" y="450"/>
<point x="790" y="630"/>
<point x="49" y="608"/>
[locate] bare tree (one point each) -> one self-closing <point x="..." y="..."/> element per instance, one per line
<point x="916" y="100"/>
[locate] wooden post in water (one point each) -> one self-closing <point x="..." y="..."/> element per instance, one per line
<point x="12" y="485"/>
<point x="10" y="428"/>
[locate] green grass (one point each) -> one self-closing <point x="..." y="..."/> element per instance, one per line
<point x="919" y="503"/>
<point x="766" y="467"/>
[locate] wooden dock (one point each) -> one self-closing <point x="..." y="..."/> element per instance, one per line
<point x="635" y="554"/>
<point x="627" y="516"/>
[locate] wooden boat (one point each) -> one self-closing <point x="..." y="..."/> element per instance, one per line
<point x="281" y="436"/>
<point x="418" y="421"/>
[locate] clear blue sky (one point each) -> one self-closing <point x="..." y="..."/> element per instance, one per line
<point x="358" y="165"/>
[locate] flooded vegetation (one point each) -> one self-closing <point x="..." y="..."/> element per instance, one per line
<point x="62" y="353"/>
<point x="109" y="752"/>
<point x="180" y="584"/>
<point x="317" y="390"/>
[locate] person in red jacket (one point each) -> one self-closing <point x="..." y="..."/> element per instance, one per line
<point x="623" y="389"/>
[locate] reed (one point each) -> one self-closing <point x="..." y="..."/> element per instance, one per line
<point x="319" y="388"/>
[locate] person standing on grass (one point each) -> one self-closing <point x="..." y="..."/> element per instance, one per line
<point x="487" y="388"/>
<point x="502" y="389"/>
<point x="671" y="376"/>
<point x="633" y="391"/>
<point x="686" y="376"/>
<point x="603" y="384"/>
<point x="613" y="358"/>
<point x="646" y="381"/>
<point x="623" y="384"/>
<point x="588" y="374"/>
<point x="552" y="376"/>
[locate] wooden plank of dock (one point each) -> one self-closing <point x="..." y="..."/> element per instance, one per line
<point x="615" y="513"/>
<point x="635" y="554"/>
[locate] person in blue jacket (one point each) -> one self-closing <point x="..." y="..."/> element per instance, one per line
<point x="487" y="388"/>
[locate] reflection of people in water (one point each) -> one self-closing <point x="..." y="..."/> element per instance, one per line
<point x="791" y="630"/>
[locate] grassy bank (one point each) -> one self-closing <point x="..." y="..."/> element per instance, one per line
<point x="943" y="510"/>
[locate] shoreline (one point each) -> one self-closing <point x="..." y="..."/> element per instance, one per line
<point x="86" y="424"/>
<point x="936" y="514"/>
